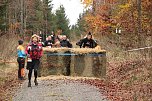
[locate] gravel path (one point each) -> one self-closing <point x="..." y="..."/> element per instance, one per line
<point x="58" y="90"/>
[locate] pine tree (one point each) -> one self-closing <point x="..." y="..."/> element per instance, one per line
<point x="62" y="21"/>
<point x="47" y="14"/>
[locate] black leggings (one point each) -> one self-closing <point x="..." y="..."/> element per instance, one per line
<point x="34" y="65"/>
<point x="21" y="63"/>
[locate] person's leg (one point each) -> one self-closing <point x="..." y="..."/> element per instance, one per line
<point x="30" y="76"/>
<point x="22" y="67"/>
<point x="35" y="74"/>
<point x="36" y="66"/>
<point x="39" y="71"/>
<point x="35" y="80"/>
<point x="19" y="69"/>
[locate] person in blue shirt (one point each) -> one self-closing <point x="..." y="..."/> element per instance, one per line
<point x="21" y="59"/>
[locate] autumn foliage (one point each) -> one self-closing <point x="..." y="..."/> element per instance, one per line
<point x="133" y="18"/>
<point x="132" y="77"/>
<point x="98" y="18"/>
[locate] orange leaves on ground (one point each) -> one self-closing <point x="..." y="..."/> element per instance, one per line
<point x="133" y="76"/>
<point x="8" y="85"/>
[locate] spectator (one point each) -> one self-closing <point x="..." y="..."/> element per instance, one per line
<point x="48" y="42"/>
<point x="57" y="44"/>
<point x="53" y="37"/>
<point x="65" y="42"/>
<point x="21" y="59"/>
<point x="87" y="42"/>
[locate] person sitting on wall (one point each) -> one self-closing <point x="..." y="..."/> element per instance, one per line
<point x="45" y="42"/>
<point x="65" y="42"/>
<point x="57" y="44"/>
<point x="41" y="42"/>
<point x="53" y="37"/>
<point x="87" y="42"/>
<point x="48" y="42"/>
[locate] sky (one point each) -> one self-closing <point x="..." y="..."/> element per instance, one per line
<point x="72" y="8"/>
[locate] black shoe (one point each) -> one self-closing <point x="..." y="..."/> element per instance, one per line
<point x="21" y="78"/>
<point x="29" y="84"/>
<point x="36" y="83"/>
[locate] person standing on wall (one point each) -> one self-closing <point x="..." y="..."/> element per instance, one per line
<point x="21" y="60"/>
<point x="34" y="51"/>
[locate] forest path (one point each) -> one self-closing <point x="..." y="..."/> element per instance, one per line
<point x="58" y="89"/>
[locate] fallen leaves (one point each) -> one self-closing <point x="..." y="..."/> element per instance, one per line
<point x="133" y="78"/>
<point x="8" y="83"/>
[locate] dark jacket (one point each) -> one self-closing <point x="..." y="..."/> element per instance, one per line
<point x="90" y="43"/>
<point x="53" y="38"/>
<point x="65" y="43"/>
<point x="48" y="43"/>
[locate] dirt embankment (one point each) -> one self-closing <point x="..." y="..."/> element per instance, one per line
<point x="8" y="81"/>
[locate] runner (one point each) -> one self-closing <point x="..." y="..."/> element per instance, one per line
<point x="34" y="51"/>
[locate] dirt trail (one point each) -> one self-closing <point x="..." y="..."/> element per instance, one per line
<point x="58" y="89"/>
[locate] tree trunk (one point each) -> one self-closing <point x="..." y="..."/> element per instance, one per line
<point x="25" y="16"/>
<point x="22" y="23"/>
<point x="140" y="34"/>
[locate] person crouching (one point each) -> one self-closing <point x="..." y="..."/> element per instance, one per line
<point x="34" y="51"/>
